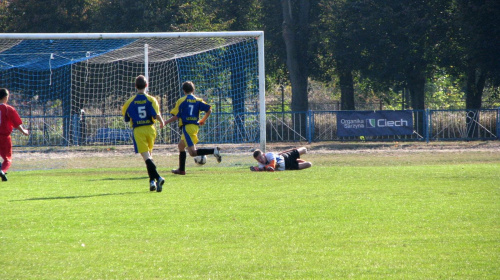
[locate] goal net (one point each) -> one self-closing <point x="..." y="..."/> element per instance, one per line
<point x="69" y="88"/>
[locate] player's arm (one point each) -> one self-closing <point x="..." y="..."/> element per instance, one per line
<point x="156" y="111"/>
<point x="174" y="112"/>
<point x="18" y="123"/>
<point x="126" y="117"/>
<point x="205" y="117"/>
<point x="256" y="168"/>
<point x="160" y="119"/>
<point x="270" y="166"/>
<point x="172" y="119"/>
<point x="23" y="130"/>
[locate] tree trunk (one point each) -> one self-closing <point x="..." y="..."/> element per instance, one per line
<point x="346" y="90"/>
<point x="296" y="41"/>
<point x="473" y="98"/>
<point x="416" y="85"/>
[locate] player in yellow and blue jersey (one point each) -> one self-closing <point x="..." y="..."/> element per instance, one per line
<point x="142" y="110"/>
<point x="187" y="110"/>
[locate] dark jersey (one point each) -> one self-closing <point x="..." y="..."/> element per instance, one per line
<point x="188" y="109"/>
<point x="141" y="110"/>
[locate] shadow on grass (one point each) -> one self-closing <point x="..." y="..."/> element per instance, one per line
<point x="118" y="179"/>
<point x="76" y="197"/>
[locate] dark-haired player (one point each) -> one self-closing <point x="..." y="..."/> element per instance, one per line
<point x="9" y="119"/>
<point x="187" y="110"/>
<point x="141" y="111"/>
<point x="286" y="160"/>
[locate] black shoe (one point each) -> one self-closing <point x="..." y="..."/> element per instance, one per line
<point x="4" y="177"/>
<point x="152" y="186"/>
<point x="159" y="185"/>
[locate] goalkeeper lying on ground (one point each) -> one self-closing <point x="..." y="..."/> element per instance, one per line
<point x="286" y="160"/>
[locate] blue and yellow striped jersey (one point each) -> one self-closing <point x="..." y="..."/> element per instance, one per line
<point x="141" y="109"/>
<point x="188" y="109"/>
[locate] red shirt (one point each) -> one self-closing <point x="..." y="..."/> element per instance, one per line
<point x="9" y="119"/>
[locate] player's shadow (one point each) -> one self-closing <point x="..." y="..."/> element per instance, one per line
<point x="76" y="196"/>
<point x="119" y="179"/>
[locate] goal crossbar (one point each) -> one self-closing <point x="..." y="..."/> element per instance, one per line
<point x="256" y="35"/>
<point x="152" y="35"/>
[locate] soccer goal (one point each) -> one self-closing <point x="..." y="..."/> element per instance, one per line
<point x="69" y="88"/>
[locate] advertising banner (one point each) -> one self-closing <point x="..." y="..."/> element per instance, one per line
<point x="374" y="123"/>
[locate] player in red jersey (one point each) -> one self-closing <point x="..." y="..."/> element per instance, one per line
<point x="9" y="119"/>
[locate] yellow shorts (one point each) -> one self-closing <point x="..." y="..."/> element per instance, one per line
<point x="144" y="138"/>
<point x="189" y="134"/>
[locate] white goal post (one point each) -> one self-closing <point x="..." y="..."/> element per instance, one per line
<point x="66" y="83"/>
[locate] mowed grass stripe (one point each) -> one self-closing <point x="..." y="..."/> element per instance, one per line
<point x="373" y="222"/>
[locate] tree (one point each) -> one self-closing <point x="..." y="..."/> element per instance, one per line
<point x="390" y="42"/>
<point x="134" y="16"/>
<point x="3" y="15"/>
<point x="474" y="51"/>
<point x="57" y="16"/>
<point x="296" y="37"/>
<point x="339" y="40"/>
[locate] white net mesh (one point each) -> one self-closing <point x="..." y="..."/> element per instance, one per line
<point x="70" y="92"/>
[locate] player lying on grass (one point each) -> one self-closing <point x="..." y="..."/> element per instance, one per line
<point x="286" y="160"/>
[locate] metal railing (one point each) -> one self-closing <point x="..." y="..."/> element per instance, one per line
<point x="310" y="126"/>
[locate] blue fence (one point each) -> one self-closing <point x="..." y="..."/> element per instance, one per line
<point x="310" y="126"/>
<point x="428" y="125"/>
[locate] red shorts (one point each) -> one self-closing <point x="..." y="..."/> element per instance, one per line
<point x="6" y="147"/>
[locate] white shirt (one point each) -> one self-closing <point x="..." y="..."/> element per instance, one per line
<point x="280" y="161"/>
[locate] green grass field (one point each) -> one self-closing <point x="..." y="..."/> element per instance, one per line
<point x="357" y="216"/>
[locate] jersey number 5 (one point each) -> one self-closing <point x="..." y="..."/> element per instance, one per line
<point x="142" y="112"/>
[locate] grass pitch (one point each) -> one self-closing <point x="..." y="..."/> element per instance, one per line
<point x="359" y="216"/>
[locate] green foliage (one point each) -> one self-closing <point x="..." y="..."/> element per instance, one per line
<point x="199" y="16"/>
<point x="384" y="44"/>
<point x="34" y="16"/>
<point x="444" y="91"/>
<point x="3" y="15"/>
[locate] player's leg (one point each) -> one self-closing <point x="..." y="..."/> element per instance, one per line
<point x="192" y="150"/>
<point x="154" y="172"/>
<point x="182" y="158"/>
<point x="3" y="176"/>
<point x="6" y="154"/>
<point x="215" y="151"/>
<point x="304" y="164"/>
<point x="302" y="150"/>
<point x="151" y="142"/>
<point x="190" y="133"/>
<point x="7" y="162"/>
<point x="192" y="136"/>
<point x="150" y="166"/>
<point x="144" y="141"/>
